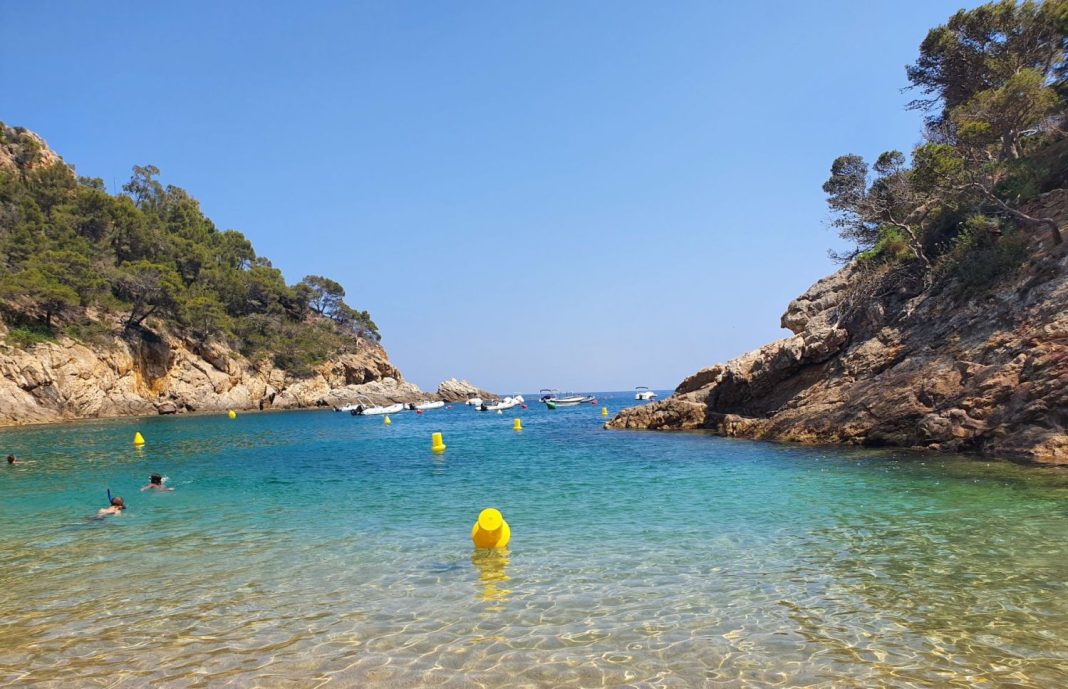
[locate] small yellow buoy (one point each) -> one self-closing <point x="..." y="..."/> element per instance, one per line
<point x="138" y="439"/>
<point x="517" y="425"/>
<point x="232" y="414"/>
<point x="604" y="411"/>
<point x="436" y="444"/>
<point x="490" y="531"/>
<point x="387" y="420"/>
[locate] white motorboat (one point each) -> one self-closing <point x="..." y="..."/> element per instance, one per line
<point x="506" y="403"/>
<point x="643" y="393"/>
<point x="474" y="402"/>
<point x="568" y="399"/>
<point x="362" y="410"/>
<point x="424" y="405"/>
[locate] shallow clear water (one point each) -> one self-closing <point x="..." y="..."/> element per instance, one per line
<point x="314" y="549"/>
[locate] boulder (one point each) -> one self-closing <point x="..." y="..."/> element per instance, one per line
<point x="453" y="390"/>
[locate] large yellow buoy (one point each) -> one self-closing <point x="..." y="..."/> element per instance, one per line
<point x="517" y="425"/>
<point x="232" y="414"/>
<point x="138" y="439"/>
<point x="490" y="531"/>
<point x="436" y="443"/>
<point x="387" y="420"/>
<point x="604" y="411"/>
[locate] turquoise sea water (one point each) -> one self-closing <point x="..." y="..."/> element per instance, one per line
<point x="312" y="549"/>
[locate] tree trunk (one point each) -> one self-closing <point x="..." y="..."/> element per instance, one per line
<point x="132" y="321"/>
<point x="1009" y="149"/>
<point x="1055" y="230"/>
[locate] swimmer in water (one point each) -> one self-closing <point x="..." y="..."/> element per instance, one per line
<point x="155" y="482"/>
<point x="116" y="507"/>
<point x="11" y="459"/>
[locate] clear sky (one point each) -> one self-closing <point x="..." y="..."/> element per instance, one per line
<point x="582" y="195"/>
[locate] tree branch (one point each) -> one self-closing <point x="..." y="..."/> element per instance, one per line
<point x="1055" y="230"/>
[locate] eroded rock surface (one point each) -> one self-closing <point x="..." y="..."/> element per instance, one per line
<point x="163" y="374"/>
<point x="913" y="367"/>
<point x="453" y="390"/>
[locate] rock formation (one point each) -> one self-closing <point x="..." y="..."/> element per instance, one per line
<point x="152" y="374"/>
<point x="909" y="366"/>
<point x="453" y="390"/>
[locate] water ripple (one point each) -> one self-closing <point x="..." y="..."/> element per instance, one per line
<point x="319" y="550"/>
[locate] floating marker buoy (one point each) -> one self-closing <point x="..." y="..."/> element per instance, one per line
<point x="436" y="443"/>
<point x="138" y="439"/>
<point x="387" y="420"/>
<point x="523" y="406"/>
<point x="517" y="425"/>
<point x="604" y="411"/>
<point x="418" y="412"/>
<point x="490" y="531"/>
<point x="232" y="414"/>
<point x="499" y="411"/>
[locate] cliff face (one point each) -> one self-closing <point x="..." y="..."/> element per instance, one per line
<point x="906" y="366"/>
<point x="165" y="375"/>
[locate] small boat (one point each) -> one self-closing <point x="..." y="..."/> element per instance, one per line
<point x="506" y="403"/>
<point x="424" y="405"/>
<point x="546" y="395"/>
<point x="568" y="399"/>
<point x="643" y="393"/>
<point x="474" y="401"/>
<point x="375" y="410"/>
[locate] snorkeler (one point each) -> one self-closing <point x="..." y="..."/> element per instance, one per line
<point x="155" y="482"/>
<point x="11" y="459"/>
<point x="116" y="507"/>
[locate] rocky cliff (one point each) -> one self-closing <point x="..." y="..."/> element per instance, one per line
<point x="150" y="375"/>
<point x="905" y="364"/>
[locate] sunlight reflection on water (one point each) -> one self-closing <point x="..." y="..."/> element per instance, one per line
<point x="308" y="549"/>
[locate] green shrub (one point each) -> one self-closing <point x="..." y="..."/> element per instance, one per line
<point x="92" y="333"/>
<point x="294" y="347"/>
<point x="891" y="247"/>
<point x="26" y="336"/>
<point x="985" y="252"/>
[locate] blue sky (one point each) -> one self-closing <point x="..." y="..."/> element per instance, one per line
<point x="583" y="195"/>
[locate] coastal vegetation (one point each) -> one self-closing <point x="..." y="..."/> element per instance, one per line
<point x="992" y="82"/>
<point x="78" y="261"/>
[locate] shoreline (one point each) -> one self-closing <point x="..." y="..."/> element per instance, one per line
<point x="7" y="426"/>
<point x="917" y="450"/>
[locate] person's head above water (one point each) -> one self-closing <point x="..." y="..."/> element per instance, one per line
<point x="118" y="502"/>
<point x="156" y="480"/>
<point x="11" y="459"/>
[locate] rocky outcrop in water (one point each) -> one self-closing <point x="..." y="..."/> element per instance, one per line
<point x="453" y="390"/>
<point x="911" y="366"/>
